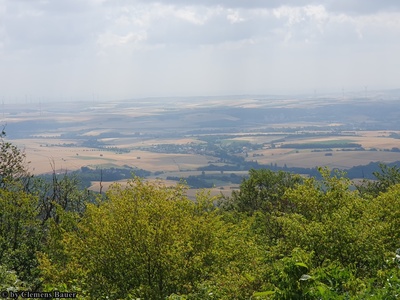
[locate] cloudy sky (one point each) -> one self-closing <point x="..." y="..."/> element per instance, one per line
<point x="116" y="49"/>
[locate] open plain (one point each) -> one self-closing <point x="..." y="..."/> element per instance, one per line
<point x="183" y="137"/>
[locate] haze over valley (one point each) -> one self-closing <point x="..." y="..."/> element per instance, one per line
<point x="175" y="138"/>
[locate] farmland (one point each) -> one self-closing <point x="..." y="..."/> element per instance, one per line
<point x="178" y="138"/>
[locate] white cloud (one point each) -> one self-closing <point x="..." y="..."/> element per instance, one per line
<point x="234" y="16"/>
<point x="190" y="15"/>
<point x="126" y="47"/>
<point x="109" y="39"/>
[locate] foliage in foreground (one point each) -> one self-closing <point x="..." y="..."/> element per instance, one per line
<point x="280" y="237"/>
<point x="324" y="241"/>
<point x="150" y="241"/>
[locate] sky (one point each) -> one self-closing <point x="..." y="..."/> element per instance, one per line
<point x="119" y="49"/>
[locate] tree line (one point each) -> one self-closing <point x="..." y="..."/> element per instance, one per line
<point x="280" y="236"/>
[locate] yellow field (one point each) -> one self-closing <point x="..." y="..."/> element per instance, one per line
<point x="339" y="159"/>
<point x="73" y="158"/>
<point x="43" y="152"/>
<point x="379" y="140"/>
<point x="258" y="139"/>
<point x="181" y="141"/>
<point x="133" y="125"/>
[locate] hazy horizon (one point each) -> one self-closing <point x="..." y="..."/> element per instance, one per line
<point x="107" y="50"/>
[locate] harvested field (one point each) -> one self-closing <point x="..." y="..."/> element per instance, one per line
<point x="181" y="141"/>
<point x="42" y="152"/>
<point x="368" y="141"/>
<point x="339" y="159"/>
<point x="255" y="139"/>
<point x="73" y="158"/>
<point x="53" y="135"/>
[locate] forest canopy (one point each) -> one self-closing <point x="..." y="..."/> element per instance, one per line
<point x="281" y="236"/>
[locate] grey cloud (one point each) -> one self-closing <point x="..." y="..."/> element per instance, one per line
<point x="235" y="3"/>
<point x="215" y="31"/>
<point x="362" y="6"/>
<point x="341" y="6"/>
<point x="30" y="24"/>
<point x="123" y="47"/>
<point x="57" y="7"/>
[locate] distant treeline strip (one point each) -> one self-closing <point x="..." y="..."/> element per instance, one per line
<point x="87" y="175"/>
<point x="208" y="181"/>
<point x="362" y="171"/>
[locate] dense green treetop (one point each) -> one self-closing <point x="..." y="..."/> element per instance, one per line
<point x="281" y="236"/>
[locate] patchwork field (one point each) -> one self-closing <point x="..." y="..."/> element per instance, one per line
<point x="66" y="155"/>
<point x="339" y="159"/>
<point x="181" y="137"/>
<point x="377" y="146"/>
<point x="67" y="158"/>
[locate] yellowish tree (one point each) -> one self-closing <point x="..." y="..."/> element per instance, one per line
<point x="150" y="241"/>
